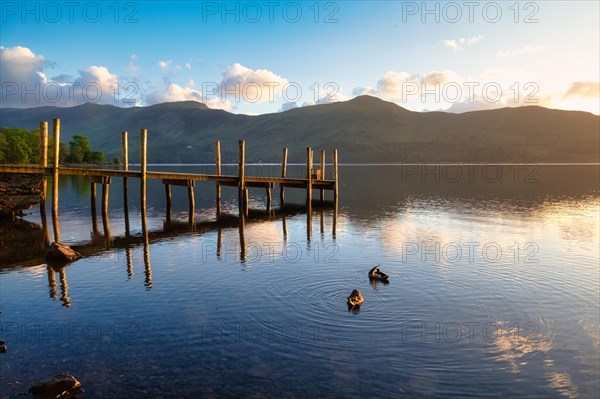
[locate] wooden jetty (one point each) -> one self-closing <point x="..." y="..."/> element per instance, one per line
<point x="315" y="179"/>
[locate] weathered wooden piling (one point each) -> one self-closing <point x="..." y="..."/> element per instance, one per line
<point x="44" y="165"/>
<point x="322" y="168"/>
<point x="309" y="163"/>
<point x="243" y="195"/>
<point x="143" y="147"/>
<point x="125" y="153"/>
<point x="169" y="199"/>
<point x="105" y="220"/>
<point x="191" y="202"/>
<point x="335" y="177"/>
<point x="218" y="173"/>
<point x="283" y="175"/>
<point x="55" y="175"/>
<point x="93" y="205"/>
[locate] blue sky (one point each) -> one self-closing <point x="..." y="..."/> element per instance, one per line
<point x="261" y="57"/>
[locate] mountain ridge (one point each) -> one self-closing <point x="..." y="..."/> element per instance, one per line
<point x="364" y="129"/>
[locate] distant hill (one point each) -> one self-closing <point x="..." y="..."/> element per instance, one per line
<point x="365" y="129"/>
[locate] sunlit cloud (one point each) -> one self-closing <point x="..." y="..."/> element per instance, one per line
<point x="460" y="44"/>
<point x="525" y="50"/>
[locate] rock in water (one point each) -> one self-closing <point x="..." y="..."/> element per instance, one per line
<point x="62" y="385"/>
<point x="62" y="253"/>
<point x="18" y="192"/>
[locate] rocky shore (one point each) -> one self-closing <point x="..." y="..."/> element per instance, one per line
<point x="19" y="192"/>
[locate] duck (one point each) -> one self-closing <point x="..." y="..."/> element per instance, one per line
<point x="355" y="299"/>
<point x="378" y="275"/>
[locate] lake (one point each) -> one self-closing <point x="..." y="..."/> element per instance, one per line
<point x="494" y="289"/>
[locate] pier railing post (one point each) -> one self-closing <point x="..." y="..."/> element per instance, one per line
<point x="283" y="174"/>
<point x="44" y="165"/>
<point x="143" y="147"/>
<point x="241" y="177"/>
<point x="56" y="137"/>
<point x="124" y="145"/>
<point x="218" y="172"/>
<point x="335" y="178"/>
<point x="322" y="166"/>
<point x="309" y="162"/>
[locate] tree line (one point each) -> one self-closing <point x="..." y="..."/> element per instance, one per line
<point x="23" y="146"/>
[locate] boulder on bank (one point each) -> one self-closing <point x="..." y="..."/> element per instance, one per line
<point x="62" y="253"/>
<point x="62" y="385"/>
<point x="18" y="192"/>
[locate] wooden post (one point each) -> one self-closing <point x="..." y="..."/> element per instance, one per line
<point x="283" y="174"/>
<point x="143" y="147"/>
<point x="309" y="162"/>
<point x="246" y="201"/>
<point x="44" y="144"/>
<point x="105" y="221"/>
<point x="322" y="166"/>
<point x="242" y="228"/>
<point x="56" y="136"/>
<point x="284" y="228"/>
<point x="269" y="198"/>
<point x="218" y="172"/>
<point x="93" y="207"/>
<point x="130" y="272"/>
<point x="219" y="242"/>
<point x="168" y="195"/>
<point x="44" y="164"/>
<point x="124" y="145"/>
<point x="191" y="202"/>
<point x="241" y="177"/>
<point x="335" y="177"/>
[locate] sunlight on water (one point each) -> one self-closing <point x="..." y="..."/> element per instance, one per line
<point x="494" y="287"/>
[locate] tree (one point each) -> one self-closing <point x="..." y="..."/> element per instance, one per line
<point x="96" y="157"/>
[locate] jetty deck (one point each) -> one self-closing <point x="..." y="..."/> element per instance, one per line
<point x="314" y="179"/>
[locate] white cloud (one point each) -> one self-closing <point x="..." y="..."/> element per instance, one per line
<point x="253" y="86"/>
<point x="460" y="44"/>
<point x="173" y="92"/>
<point x="133" y="66"/>
<point x="187" y="66"/>
<point x="583" y="90"/>
<point x="525" y="50"/>
<point x="20" y="65"/>
<point x="25" y="83"/>
<point x="164" y="65"/>
<point x="287" y="106"/>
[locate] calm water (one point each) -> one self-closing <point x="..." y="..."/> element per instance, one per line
<point x="494" y="290"/>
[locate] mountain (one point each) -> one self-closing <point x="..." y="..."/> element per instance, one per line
<point x="364" y="129"/>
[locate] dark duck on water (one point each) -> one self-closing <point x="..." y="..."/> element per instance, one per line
<point x="377" y="275"/>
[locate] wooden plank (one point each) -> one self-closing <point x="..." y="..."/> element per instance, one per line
<point x="178" y="182"/>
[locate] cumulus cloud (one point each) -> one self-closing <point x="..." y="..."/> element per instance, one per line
<point x="254" y="86"/>
<point x="525" y="50"/>
<point x="174" y="92"/>
<point x="164" y="65"/>
<point x="583" y="90"/>
<point x="25" y="82"/>
<point x="287" y="106"/>
<point x="401" y="85"/>
<point x="460" y="44"/>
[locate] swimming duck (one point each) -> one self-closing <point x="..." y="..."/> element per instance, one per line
<point x="378" y="275"/>
<point x="355" y="298"/>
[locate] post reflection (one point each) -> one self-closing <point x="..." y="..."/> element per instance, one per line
<point x="258" y="222"/>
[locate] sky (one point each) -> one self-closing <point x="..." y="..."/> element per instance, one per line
<point x="257" y="57"/>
